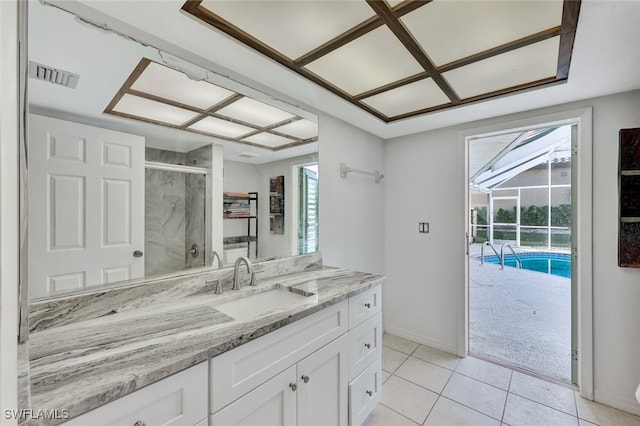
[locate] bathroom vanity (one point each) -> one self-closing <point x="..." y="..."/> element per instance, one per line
<point x="303" y="347"/>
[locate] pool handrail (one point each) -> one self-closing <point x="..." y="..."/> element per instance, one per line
<point x="514" y="254"/>
<point x="487" y="243"/>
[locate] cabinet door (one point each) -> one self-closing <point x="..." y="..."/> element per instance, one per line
<point x="270" y="404"/>
<point x="322" y="385"/>
<point x="178" y="400"/>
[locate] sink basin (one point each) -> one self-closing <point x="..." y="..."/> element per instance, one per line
<point x="256" y="305"/>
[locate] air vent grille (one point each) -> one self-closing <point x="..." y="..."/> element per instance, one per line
<point x="245" y="154"/>
<point x="53" y="75"/>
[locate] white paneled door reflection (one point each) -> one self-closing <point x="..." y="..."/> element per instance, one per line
<point x="86" y="205"/>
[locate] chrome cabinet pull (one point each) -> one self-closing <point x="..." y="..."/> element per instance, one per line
<point x="139" y="423"/>
<point x="293" y="386"/>
<point x="368" y="305"/>
<point x="369" y="393"/>
<point x="305" y="379"/>
<point x="367" y="345"/>
<point x="137" y="253"/>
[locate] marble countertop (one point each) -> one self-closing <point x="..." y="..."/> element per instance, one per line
<point x="80" y="365"/>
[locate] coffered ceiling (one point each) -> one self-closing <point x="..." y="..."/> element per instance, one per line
<point x="604" y="60"/>
<point x="399" y="59"/>
<point x="158" y="94"/>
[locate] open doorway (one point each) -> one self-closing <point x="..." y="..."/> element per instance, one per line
<point x="521" y="293"/>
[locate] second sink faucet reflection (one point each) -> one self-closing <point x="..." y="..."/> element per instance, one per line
<point x="236" y="272"/>
<point x="215" y="256"/>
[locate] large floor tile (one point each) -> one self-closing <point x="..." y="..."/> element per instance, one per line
<point x="391" y="359"/>
<point x="450" y="413"/>
<point x="438" y="357"/>
<point x="385" y="376"/>
<point x="523" y="412"/>
<point x="541" y="391"/>
<point x="484" y="371"/>
<point x="408" y="399"/>
<point x="383" y="416"/>
<point x="399" y="343"/>
<point x="424" y="374"/>
<point x="586" y="423"/>
<point x="477" y="395"/>
<point x="604" y="415"/>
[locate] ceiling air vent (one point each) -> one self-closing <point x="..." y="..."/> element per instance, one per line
<point x="245" y="154"/>
<point x="53" y="75"/>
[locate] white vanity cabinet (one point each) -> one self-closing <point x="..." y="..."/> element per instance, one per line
<point x="180" y="399"/>
<point x="321" y="370"/>
<point x="312" y="392"/>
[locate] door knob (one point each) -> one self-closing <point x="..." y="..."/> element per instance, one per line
<point x="137" y="253"/>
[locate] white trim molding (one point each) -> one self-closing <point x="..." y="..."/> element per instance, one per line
<point x="9" y="207"/>
<point x="583" y="166"/>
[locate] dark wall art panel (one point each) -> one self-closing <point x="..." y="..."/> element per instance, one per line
<point x="629" y="209"/>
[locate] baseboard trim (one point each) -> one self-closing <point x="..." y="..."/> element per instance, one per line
<point x="422" y="339"/>
<point x="624" y="404"/>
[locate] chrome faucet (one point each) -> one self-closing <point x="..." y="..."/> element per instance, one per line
<point x="215" y="256"/>
<point x="236" y="272"/>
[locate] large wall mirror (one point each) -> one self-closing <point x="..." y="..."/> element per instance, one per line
<point x="140" y="164"/>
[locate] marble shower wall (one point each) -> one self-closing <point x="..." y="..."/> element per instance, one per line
<point x="194" y="218"/>
<point x="174" y="215"/>
<point x="164" y="222"/>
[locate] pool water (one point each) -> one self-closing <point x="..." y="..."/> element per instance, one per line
<point x="551" y="263"/>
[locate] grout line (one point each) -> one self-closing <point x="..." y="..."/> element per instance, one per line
<point x="439" y="396"/>
<point x="483" y="382"/>
<point x="400" y="414"/>
<point x="545" y="405"/>
<point x="470" y="408"/>
<point x="504" y="409"/>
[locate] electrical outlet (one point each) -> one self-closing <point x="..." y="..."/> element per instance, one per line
<point x="423" y="227"/>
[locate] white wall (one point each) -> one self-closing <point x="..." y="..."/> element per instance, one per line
<point x="351" y="210"/>
<point x="9" y="202"/>
<point x="424" y="182"/>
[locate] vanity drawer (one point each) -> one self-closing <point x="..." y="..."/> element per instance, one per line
<point x="238" y="371"/>
<point x="364" y="393"/>
<point x="365" y="345"/>
<point x="365" y="305"/>
<point x="180" y="399"/>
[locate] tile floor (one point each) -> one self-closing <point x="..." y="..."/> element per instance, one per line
<point x="429" y="387"/>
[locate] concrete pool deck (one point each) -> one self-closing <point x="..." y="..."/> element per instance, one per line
<point x="520" y="317"/>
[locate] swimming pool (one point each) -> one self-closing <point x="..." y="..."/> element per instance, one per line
<point x="550" y="263"/>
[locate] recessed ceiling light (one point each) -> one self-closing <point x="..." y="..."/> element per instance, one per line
<point x="410" y="97"/>
<point x="152" y="110"/>
<point x="268" y="140"/>
<point x="303" y="129"/>
<point x="255" y="112"/>
<point x="218" y="127"/>
<point x="173" y="85"/>
<point x="531" y="63"/>
<point x="316" y="22"/>
<point x="370" y="61"/>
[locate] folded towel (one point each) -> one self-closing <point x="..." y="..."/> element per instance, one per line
<point x="236" y="194"/>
